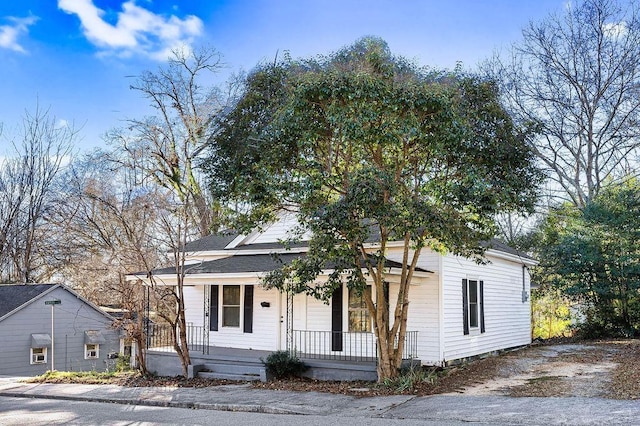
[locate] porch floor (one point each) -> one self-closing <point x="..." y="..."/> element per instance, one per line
<point x="255" y="356"/>
<point x="324" y="369"/>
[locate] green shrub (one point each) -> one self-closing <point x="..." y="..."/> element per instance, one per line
<point x="282" y="364"/>
<point x="123" y="363"/>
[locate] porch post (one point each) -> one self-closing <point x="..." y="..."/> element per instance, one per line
<point x="289" y="322"/>
<point x="205" y="322"/>
<point x="147" y="309"/>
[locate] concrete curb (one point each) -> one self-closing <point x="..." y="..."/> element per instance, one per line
<point x="150" y="403"/>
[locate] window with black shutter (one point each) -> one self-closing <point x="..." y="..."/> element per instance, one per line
<point x="472" y="306"/>
<point x="248" y="309"/>
<point x="213" y="307"/>
<point x="232" y="307"/>
<point x="336" y="320"/>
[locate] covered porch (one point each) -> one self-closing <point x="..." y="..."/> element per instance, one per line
<point x="356" y="359"/>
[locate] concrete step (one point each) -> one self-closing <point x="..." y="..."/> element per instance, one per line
<point x="234" y="359"/>
<point x="229" y="376"/>
<point x="232" y="371"/>
<point x="234" y="368"/>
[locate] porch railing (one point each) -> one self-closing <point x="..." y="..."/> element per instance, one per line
<point x="345" y="346"/>
<point x="308" y="344"/>
<point x="160" y="338"/>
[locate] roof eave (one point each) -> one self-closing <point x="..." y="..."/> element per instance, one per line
<point x="527" y="261"/>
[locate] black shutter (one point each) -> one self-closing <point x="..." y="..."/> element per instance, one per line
<point x="481" y="301"/>
<point x="336" y="319"/>
<point x="213" y="308"/>
<point x="248" y="309"/>
<point x="465" y="308"/>
<point x="385" y="288"/>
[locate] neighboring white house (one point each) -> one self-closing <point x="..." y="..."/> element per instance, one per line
<point x="78" y="336"/>
<point x="458" y="308"/>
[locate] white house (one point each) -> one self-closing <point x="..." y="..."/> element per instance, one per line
<point x="458" y="308"/>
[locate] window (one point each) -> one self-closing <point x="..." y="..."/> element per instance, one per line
<point x="91" y="350"/>
<point x="231" y="306"/>
<point x="472" y="306"/>
<point x="359" y="319"/>
<point x="38" y="355"/>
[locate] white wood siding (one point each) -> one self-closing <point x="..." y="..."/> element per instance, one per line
<point x="194" y="305"/>
<point x="278" y="231"/>
<point x="318" y="315"/>
<point x="266" y="324"/>
<point x="423" y="317"/>
<point x="507" y="318"/>
<point x="424" y="305"/>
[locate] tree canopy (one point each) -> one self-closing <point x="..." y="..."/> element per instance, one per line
<point x="593" y="256"/>
<point x="366" y="146"/>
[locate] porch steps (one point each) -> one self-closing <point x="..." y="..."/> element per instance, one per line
<point x="233" y="369"/>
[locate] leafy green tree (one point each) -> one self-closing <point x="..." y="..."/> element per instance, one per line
<point x="366" y="146"/>
<point x="593" y="256"/>
<point x="550" y="313"/>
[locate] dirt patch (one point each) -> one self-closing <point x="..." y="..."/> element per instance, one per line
<point x="597" y="369"/>
<point x="606" y="369"/>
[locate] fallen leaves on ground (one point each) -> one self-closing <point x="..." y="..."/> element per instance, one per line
<point x="624" y="378"/>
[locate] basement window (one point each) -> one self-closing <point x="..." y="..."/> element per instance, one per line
<point x="38" y="355"/>
<point x="91" y="351"/>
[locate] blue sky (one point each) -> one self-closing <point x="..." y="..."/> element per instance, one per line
<point x="77" y="57"/>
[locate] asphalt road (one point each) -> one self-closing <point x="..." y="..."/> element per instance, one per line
<point x="22" y="411"/>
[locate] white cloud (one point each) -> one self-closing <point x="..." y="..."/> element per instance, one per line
<point x="137" y="30"/>
<point x="615" y="30"/>
<point x="61" y="123"/>
<point x="9" y="34"/>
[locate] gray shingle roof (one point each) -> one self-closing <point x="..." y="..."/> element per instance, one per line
<point x="234" y="264"/>
<point x="220" y="241"/>
<point x="13" y="296"/>
<point x="498" y="245"/>
<point x="272" y="246"/>
<point x="211" y="242"/>
<point x="249" y="263"/>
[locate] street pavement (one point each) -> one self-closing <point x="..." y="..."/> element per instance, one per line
<point x="438" y="408"/>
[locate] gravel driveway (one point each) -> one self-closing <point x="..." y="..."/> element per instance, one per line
<point x="567" y="370"/>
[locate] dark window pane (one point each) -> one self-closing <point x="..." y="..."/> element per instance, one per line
<point x="231" y="295"/>
<point x="473" y="292"/>
<point x="473" y="315"/>
<point x="231" y="316"/>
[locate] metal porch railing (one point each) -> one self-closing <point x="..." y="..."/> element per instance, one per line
<point x="160" y="338"/>
<point x="345" y="346"/>
<point x="328" y="345"/>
